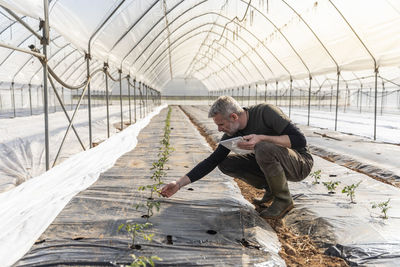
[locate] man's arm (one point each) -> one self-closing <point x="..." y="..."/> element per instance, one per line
<point x="198" y="172"/>
<point x="291" y="137"/>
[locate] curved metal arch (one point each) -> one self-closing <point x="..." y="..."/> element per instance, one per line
<point x="214" y="13"/>
<point x="284" y="36"/>
<point x="226" y="57"/>
<point x="155" y="24"/>
<point x="315" y="35"/>
<point x="205" y="24"/>
<point x="66" y="56"/>
<point x="177" y="46"/>
<point x="171" y="22"/>
<point x="255" y="37"/>
<point x="133" y="25"/>
<point x="221" y="68"/>
<point x="233" y="62"/>
<point x="181" y="58"/>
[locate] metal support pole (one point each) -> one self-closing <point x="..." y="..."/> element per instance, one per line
<point x="376" y="100"/>
<point x="256" y="93"/>
<point x="13" y="97"/>
<point x="30" y="98"/>
<point x="129" y="99"/>
<point x="361" y="87"/>
<point x="134" y="98"/>
<point x="276" y="93"/>
<point x="45" y="42"/>
<point x="120" y="97"/>
<point x="309" y="103"/>
<point x="337" y="100"/>
<point x="107" y="100"/>
<point x="141" y="100"/>
<point x="147" y="100"/>
<point x="330" y="101"/>
<point x="88" y="57"/>
<point x="290" y="96"/>
<point x="383" y="95"/>
<point x="265" y="93"/>
<point x="248" y="99"/>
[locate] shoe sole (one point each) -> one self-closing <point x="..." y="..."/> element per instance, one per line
<point x="282" y="214"/>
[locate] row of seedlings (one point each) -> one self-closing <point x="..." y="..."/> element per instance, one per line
<point x="350" y="191"/>
<point x="138" y="229"/>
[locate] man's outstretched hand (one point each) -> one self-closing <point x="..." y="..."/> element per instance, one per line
<point x="170" y="189"/>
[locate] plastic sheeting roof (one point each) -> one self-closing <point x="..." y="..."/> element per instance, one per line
<point x="221" y="43"/>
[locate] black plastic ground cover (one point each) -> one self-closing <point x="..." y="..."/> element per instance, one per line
<point x="207" y="223"/>
<point x="354" y="232"/>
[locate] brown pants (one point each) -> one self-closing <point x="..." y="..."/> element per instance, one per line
<point x="272" y="158"/>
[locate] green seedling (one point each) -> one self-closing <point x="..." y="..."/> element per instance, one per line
<point x="316" y="175"/>
<point x="143" y="261"/>
<point x="331" y="186"/>
<point x="149" y="206"/>
<point x="350" y="191"/>
<point x="383" y="206"/>
<point x="135" y="229"/>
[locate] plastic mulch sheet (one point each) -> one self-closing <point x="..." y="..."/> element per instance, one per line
<point x="207" y="223"/>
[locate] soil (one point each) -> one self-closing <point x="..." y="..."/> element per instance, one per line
<point x="297" y="249"/>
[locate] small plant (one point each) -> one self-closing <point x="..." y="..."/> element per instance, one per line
<point x="316" y="175"/>
<point x="143" y="261"/>
<point x="383" y="206"/>
<point x="150" y="205"/>
<point x="134" y="229"/>
<point x="350" y="191"/>
<point x="331" y="186"/>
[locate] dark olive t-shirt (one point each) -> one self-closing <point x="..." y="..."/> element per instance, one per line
<point x="263" y="119"/>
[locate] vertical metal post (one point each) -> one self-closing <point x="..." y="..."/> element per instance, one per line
<point x="276" y="93"/>
<point x="361" y="87"/>
<point x="290" y="96"/>
<point x="140" y="101"/>
<point x="72" y="96"/>
<point x="107" y="100"/>
<point x="22" y="97"/>
<point x="30" y="98"/>
<point x="345" y="98"/>
<point x="45" y="42"/>
<point x="309" y="103"/>
<point x="256" y="93"/>
<point x="120" y="97"/>
<point x="337" y="100"/>
<point x="88" y="57"/>
<point x="265" y="93"/>
<point x="330" y="101"/>
<point x="13" y="97"/>
<point x="147" y="100"/>
<point x="383" y="95"/>
<point x="242" y="95"/>
<point x="54" y="100"/>
<point x="134" y="98"/>
<point x="376" y="100"/>
<point x="248" y="99"/>
<point x="129" y="99"/>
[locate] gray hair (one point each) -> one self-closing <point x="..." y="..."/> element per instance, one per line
<point x="225" y="105"/>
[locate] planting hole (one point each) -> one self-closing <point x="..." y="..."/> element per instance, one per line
<point x="150" y="198"/>
<point x="78" y="238"/>
<point x="211" y="232"/>
<point x="169" y="240"/>
<point x="190" y="189"/>
<point x="40" y="241"/>
<point x="145" y="216"/>
<point x="186" y="166"/>
<point x="332" y="175"/>
<point x="135" y="246"/>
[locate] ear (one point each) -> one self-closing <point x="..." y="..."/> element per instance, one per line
<point x="234" y="116"/>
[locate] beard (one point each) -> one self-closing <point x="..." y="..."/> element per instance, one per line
<point x="233" y="129"/>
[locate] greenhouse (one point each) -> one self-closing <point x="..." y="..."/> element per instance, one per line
<point x="199" y="133"/>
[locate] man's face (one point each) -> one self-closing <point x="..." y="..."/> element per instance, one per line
<point x="228" y="125"/>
